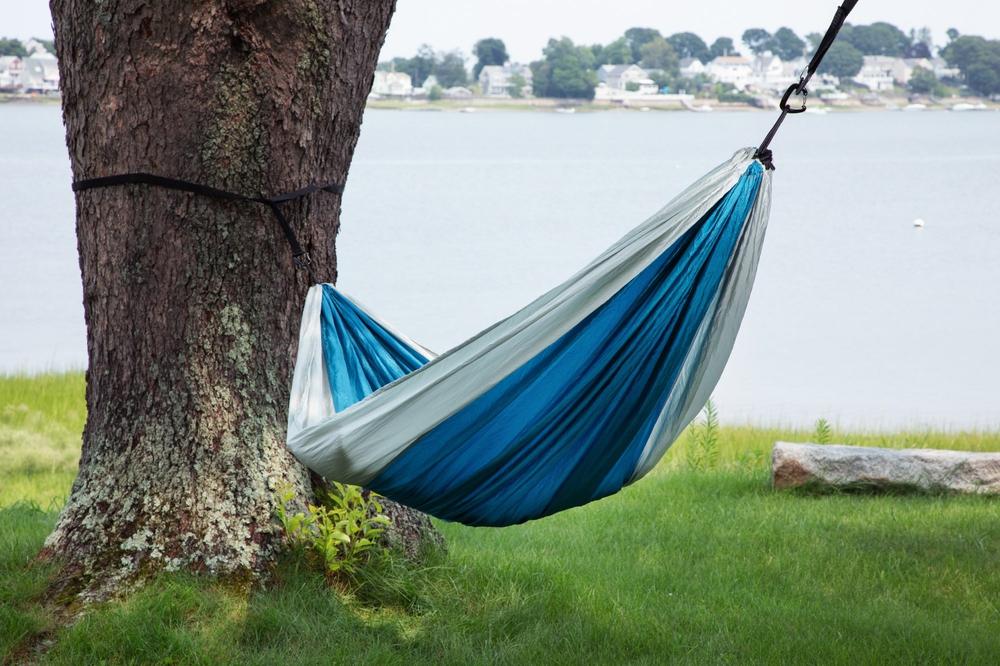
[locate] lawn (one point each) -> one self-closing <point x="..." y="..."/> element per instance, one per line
<point x="705" y="565"/>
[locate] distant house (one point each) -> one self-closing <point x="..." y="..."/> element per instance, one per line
<point x="40" y="73"/>
<point x="734" y="70"/>
<point x="691" y="67"/>
<point x="943" y="70"/>
<point x="879" y="73"/>
<point x="624" y="77"/>
<point x="499" y="80"/>
<point x="457" y="92"/>
<point x="10" y="73"/>
<point x="772" y="74"/>
<point x="425" y="88"/>
<point x="392" y="84"/>
<point x="35" y="47"/>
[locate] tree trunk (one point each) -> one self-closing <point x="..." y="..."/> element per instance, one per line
<point x="192" y="305"/>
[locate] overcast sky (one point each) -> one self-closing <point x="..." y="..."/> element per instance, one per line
<point x="525" y="25"/>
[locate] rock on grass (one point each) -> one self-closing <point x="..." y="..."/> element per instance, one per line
<point x="860" y="467"/>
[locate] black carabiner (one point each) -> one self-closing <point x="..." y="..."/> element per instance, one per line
<point x="793" y="89"/>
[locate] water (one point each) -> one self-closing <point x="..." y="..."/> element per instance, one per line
<point x="452" y="221"/>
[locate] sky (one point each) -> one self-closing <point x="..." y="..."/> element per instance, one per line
<point x="526" y="25"/>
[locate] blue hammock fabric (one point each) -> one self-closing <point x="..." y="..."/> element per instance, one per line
<point x="565" y="402"/>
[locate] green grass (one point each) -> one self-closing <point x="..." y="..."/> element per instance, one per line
<point x="689" y="567"/>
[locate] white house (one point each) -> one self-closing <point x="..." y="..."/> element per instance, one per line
<point x="767" y="67"/>
<point x="457" y="92"/>
<point x="772" y="74"/>
<point x="625" y="78"/>
<point x="943" y="70"/>
<point x="40" y="73"/>
<point x="734" y="70"/>
<point x="35" y="47"/>
<point x="392" y="84"/>
<point x="691" y="67"/>
<point x="10" y="73"/>
<point x="879" y="73"/>
<point x="498" y="80"/>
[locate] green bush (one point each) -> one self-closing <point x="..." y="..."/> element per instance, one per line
<point x="736" y="97"/>
<point x="339" y="532"/>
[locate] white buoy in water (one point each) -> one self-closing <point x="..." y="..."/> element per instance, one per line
<point x="919" y="223"/>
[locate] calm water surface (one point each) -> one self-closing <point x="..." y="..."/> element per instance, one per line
<point x="452" y="221"/>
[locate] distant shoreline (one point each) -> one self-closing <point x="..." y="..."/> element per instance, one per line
<point x="583" y="106"/>
<point x="41" y="100"/>
<point x="549" y="105"/>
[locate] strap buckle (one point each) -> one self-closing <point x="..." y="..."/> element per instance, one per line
<point x="302" y="260"/>
<point x="792" y="90"/>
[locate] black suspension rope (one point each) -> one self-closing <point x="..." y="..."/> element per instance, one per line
<point x="764" y="153"/>
<point x="299" y="256"/>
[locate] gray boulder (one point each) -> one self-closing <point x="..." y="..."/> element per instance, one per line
<point x="858" y="467"/>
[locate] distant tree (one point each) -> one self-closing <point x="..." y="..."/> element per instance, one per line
<point x="877" y="39"/>
<point x="12" y="47"/>
<point x="419" y="67"/>
<point x="517" y="84"/>
<point x="638" y="38"/>
<point x="566" y="71"/>
<point x="449" y="69"/>
<point x="435" y="93"/>
<point x="921" y="44"/>
<point x="489" y="51"/>
<point x="923" y="82"/>
<point x="660" y="55"/>
<point x="689" y="45"/>
<point x="984" y="78"/>
<point x="662" y="79"/>
<point x="757" y="40"/>
<point x="787" y="45"/>
<point x="842" y="60"/>
<point x="979" y="61"/>
<point x="953" y="34"/>
<point x="964" y="52"/>
<point x="618" y="52"/>
<point x="723" y="46"/>
<point x="597" y="50"/>
<point x="919" y="50"/>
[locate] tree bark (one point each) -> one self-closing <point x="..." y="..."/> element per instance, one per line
<point x="192" y="305"/>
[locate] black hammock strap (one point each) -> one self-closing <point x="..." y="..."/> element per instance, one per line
<point x="800" y="88"/>
<point x="299" y="256"/>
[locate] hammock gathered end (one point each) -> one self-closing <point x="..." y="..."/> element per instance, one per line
<point x="567" y="401"/>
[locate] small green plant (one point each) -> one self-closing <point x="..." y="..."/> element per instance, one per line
<point x="824" y="433"/>
<point x="340" y="530"/>
<point x="703" y="453"/>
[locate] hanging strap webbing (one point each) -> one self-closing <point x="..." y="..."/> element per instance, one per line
<point x="299" y="256"/>
<point x="800" y="88"/>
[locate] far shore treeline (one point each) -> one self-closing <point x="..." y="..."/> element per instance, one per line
<point x="569" y="70"/>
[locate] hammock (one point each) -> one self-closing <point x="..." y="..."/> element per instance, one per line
<point x="567" y="401"/>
